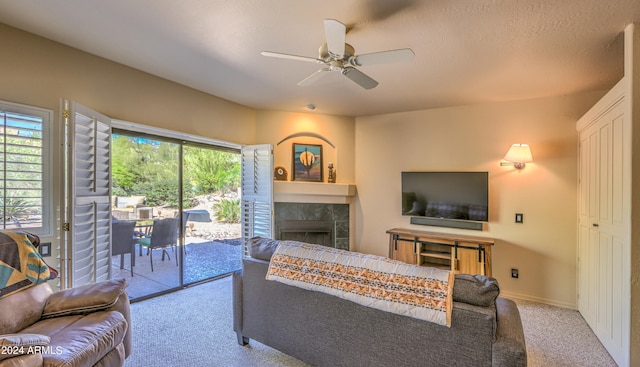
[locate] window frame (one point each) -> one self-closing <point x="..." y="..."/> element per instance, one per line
<point x="46" y="230"/>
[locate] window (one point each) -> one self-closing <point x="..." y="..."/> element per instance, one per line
<point x="25" y="166"/>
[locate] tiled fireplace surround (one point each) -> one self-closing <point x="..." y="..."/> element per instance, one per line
<point x="314" y="212"/>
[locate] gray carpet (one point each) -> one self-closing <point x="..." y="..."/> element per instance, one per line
<point x="560" y="337"/>
<point x="193" y="327"/>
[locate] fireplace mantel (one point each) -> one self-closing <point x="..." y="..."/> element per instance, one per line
<point x="313" y="192"/>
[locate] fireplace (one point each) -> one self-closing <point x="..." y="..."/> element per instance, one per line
<point x="319" y="232"/>
<point x="319" y="223"/>
<point x="314" y="212"/>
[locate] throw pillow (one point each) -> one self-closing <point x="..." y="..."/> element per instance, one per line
<point x="477" y="290"/>
<point x="21" y="265"/>
<point x="262" y="248"/>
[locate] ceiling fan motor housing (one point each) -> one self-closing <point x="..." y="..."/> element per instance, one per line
<point x="327" y="56"/>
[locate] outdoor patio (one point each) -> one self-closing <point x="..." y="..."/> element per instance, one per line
<point x="203" y="259"/>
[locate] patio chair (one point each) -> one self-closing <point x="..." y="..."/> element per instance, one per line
<point x="122" y="240"/>
<point x="164" y="234"/>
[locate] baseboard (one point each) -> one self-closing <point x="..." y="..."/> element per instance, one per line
<point x="546" y="301"/>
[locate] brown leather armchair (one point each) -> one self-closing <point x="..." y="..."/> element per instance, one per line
<point x="84" y="326"/>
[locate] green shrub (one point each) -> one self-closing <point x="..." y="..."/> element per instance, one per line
<point x="15" y="207"/>
<point x="227" y="211"/>
<point x="163" y="193"/>
<point x="211" y="170"/>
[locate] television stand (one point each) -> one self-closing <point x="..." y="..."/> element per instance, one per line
<point x="460" y="253"/>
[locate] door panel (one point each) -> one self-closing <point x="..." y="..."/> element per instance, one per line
<point x="257" y="192"/>
<point x="604" y="228"/>
<point x="87" y="204"/>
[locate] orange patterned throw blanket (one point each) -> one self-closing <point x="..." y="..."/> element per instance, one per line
<point x="373" y="281"/>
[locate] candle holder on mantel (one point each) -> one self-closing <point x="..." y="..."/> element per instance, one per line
<point x="332" y="174"/>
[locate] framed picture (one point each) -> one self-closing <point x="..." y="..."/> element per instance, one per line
<point x="307" y="162"/>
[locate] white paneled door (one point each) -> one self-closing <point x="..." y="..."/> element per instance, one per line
<point x="604" y="248"/>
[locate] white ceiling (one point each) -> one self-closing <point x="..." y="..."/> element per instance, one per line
<point x="466" y="51"/>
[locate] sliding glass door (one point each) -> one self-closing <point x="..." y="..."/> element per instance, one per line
<point x="212" y="212"/>
<point x="146" y="192"/>
<point x="193" y="187"/>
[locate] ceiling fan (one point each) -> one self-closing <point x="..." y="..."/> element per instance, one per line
<point x="340" y="56"/>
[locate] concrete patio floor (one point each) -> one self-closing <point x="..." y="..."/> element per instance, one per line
<point x="202" y="260"/>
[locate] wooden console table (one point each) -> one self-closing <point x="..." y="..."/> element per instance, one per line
<point x="460" y="253"/>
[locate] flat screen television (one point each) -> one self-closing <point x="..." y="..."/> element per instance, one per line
<point x="446" y="195"/>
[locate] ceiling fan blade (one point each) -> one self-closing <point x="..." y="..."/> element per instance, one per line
<point x="383" y="57"/>
<point x="291" y="57"/>
<point x="335" y="33"/>
<point x="359" y="77"/>
<point x="314" y="77"/>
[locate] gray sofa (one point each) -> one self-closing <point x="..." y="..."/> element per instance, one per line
<point x="325" y="330"/>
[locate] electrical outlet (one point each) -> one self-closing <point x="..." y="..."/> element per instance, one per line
<point x="45" y="249"/>
<point x="514" y="273"/>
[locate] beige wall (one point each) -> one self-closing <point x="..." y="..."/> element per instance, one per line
<point x="39" y="72"/>
<point x="282" y="129"/>
<point x="476" y="138"/>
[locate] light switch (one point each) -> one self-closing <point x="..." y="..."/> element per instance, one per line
<point x="519" y="218"/>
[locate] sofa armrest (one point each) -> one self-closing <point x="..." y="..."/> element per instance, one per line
<point x="237" y="306"/>
<point x="509" y="348"/>
<point x="25" y="360"/>
<point x="84" y="299"/>
<point x="16" y="345"/>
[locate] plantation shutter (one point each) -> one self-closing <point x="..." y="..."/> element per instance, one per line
<point x="24" y="168"/>
<point x="257" y="192"/>
<point x="88" y="223"/>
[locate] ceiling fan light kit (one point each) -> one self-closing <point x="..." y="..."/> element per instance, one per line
<point x="340" y="56"/>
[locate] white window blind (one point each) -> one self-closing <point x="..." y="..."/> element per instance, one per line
<point x="25" y="166"/>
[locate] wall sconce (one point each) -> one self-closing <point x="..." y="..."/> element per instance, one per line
<point x="517" y="156"/>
